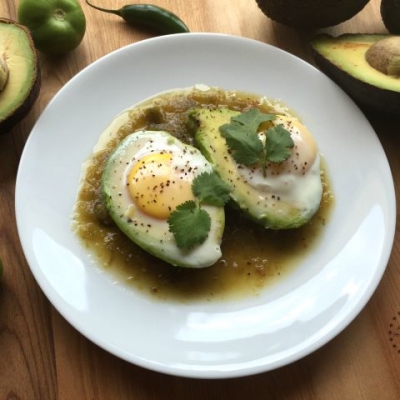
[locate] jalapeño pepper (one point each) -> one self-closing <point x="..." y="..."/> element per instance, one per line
<point x="148" y="16"/>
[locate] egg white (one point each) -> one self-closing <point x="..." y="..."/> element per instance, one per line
<point x="289" y="186"/>
<point x="152" y="234"/>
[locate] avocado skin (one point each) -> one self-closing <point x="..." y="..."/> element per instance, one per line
<point x="310" y="14"/>
<point x="369" y="97"/>
<point x="390" y="13"/>
<point x="20" y="112"/>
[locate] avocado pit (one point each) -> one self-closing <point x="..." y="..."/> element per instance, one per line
<point x="384" y="56"/>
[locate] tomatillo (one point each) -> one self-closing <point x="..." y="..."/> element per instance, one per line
<point x="56" y="26"/>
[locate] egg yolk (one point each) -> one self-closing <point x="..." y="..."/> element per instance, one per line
<point x="156" y="187"/>
<point x="303" y="153"/>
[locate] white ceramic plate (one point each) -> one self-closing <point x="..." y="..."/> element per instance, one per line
<point x="288" y="321"/>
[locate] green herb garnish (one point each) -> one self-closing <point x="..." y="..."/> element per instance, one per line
<point x="241" y="136"/>
<point x="209" y="188"/>
<point x="189" y="223"/>
<point x="279" y="144"/>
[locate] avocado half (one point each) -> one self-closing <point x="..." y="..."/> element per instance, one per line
<point x="311" y="14"/>
<point x="257" y="204"/>
<point x="19" y="73"/>
<point x="354" y="62"/>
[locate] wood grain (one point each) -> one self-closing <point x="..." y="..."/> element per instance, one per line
<point x="43" y="357"/>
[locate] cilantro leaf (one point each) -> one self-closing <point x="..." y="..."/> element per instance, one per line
<point x="253" y="118"/>
<point x="245" y="145"/>
<point x="209" y="188"/>
<point x="189" y="224"/>
<point x="242" y="138"/>
<point x="278" y="144"/>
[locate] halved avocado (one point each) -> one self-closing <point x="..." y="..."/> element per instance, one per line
<point x="365" y="66"/>
<point x="19" y="73"/>
<point x="310" y="14"/>
<point x="260" y="202"/>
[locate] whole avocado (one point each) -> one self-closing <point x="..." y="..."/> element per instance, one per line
<point x="311" y="14"/>
<point x="390" y="13"/>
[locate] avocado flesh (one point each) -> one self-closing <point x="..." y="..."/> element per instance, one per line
<point x="266" y="212"/>
<point x="21" y="86"/>
<point x="343" y="59"/>
<point x="154" y="237"/>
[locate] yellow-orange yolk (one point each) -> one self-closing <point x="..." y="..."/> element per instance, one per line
<point x="156" y="186"/>
<point x="303" y="153"/>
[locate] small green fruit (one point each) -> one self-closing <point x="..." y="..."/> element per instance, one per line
<point x="57" y="26"/>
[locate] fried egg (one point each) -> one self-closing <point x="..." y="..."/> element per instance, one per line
<point x="283" y="195"/>
<point x="293" y="184"/>
<point x="145" y="178"/>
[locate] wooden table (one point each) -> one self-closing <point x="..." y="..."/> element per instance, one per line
<point x="43" y="357"/>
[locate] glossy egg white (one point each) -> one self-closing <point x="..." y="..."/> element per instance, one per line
<point x="295" y="183"/>
<point x="141" y="220"/>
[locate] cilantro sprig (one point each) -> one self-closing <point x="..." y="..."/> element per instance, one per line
<point x="241" y="136"/>
<point x="189" y="222"/>
<point x="209" y="188"/>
